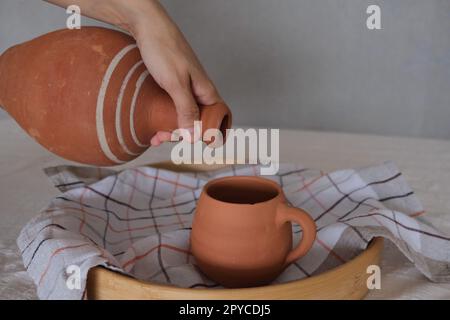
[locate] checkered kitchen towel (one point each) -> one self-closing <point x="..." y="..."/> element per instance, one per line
<point x="138" y="221"/>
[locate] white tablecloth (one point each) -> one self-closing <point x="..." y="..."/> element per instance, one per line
<point x="24" y="190"/>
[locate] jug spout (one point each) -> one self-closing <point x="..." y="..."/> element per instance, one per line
<point x="217" y="116"/>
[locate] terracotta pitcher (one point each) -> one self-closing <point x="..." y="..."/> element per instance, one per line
<point x="87" y="96"/>
<point x="241" y="233"/>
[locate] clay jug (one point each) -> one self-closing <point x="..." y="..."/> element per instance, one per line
<point x="242" y="234"/>
<point x="87" y="96"/>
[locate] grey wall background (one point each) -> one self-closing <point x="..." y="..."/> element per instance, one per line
<point x="309" y="64"/>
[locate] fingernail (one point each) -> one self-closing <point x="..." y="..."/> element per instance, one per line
<point x="196" y="132"/>
<point x="175" y="136"/>
<point x="164" y="136"/>
<point x="189" y="135"/>
<point x="154" y="141"/>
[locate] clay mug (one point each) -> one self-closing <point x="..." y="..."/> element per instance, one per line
<point x="241" y="232"/>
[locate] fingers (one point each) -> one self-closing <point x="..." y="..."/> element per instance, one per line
<point x="164" y="136"/>
<point x="187" y="93"/>
<point x="204" y="90"/>
<point x="185" y="103"/>
<point x="160" y="137"/>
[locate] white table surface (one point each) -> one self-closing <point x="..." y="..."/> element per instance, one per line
<point x="24" y="190"/>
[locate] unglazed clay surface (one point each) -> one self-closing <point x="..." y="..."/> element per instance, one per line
<point x="87" y="96"/>
<point x="242" y="234"/>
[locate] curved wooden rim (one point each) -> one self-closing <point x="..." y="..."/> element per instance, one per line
<point x="99" y="275"/>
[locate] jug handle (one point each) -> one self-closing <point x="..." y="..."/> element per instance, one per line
<point x="287" y="213"/>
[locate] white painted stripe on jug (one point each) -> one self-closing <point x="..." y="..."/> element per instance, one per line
<point x="139" y="84"/>
<point x="101" y="101"/>
<point x="119" y="108"/>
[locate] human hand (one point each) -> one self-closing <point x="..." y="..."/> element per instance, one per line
<point x="173" y="64"/>
<point x="165" y="52"/>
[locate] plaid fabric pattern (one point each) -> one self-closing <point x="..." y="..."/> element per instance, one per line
<point x="138" y="221"/>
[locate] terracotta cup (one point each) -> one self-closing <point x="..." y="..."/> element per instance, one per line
<point x="241" y="233"/>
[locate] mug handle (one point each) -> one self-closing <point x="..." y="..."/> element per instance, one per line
<point x="286" y="213"/>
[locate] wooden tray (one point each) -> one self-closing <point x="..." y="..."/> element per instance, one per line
<point x="348" y="281"/>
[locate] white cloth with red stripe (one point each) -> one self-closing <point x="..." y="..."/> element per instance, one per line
<point x="138" y="221"/>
